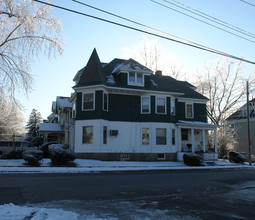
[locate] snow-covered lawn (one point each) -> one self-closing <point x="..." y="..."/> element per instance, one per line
<point x="11" y="166"/>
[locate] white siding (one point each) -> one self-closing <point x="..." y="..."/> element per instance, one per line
<point x="129" y="139"/>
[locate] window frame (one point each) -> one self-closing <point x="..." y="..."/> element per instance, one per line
<point x="83" y="134"/>
<point x="87" y="93"/>
<point x="135" y="82"/>
<point x="142" y="97"/>
<point x="143" y="143"/>
<point x="156" y="106"/>
<point x="107" y="101"/>
<point x="192" y="110"/>
<point x="74" y="109"/>
<point x="165" y="138"/>
<point x="172" y="107"/>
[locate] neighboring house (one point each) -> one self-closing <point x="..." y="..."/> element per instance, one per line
<point x="59" y="124"/>
<point x="122" y="110"/>
<point x="238" y="120"/>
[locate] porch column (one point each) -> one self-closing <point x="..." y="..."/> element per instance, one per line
<point x="192" y="140"/>
<point x="215" y="141"/>
<point x="179" y="139"/>
<point x="203" y="133"/>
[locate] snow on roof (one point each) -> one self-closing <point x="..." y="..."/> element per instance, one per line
<point x="50" y="127"/>
<point x="131" y="65"/>
<point x="197" y="123"/>
<point x="63" y="102"/>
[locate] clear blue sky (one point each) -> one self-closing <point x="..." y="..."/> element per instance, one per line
<point x="54" y="77"/>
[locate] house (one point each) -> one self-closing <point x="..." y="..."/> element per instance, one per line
<point x="238" y="121"/>
<point x="58" y="127"/>
<point x="124" y="111"/>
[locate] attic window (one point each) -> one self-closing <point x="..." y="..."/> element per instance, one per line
<point x="135" y="79"/>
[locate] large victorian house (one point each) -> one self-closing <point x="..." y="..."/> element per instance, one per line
<point x="122" y="110"/>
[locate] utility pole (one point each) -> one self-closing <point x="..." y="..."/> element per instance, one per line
<point x="248" y="122"/>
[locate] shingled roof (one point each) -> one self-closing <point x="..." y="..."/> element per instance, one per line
<point x="96" y="72"/>
<point x="93" y="72"/>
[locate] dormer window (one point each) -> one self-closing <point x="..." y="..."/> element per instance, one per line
<point x="136" y="79"/>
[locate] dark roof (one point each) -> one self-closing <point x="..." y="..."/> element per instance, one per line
<point x="96" y="72"/>
<point x="93" y="71"/>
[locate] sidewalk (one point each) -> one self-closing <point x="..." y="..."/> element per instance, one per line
<point x="87" y="166"/>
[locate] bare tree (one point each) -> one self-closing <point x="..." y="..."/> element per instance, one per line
<point x="152" y="55"/>
<point x="26" y="31"/>
<point x="224" y="85"/>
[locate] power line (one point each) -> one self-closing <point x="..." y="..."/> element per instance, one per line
<point x="214" y="18"/>
<point x="168" y="7"/>
<point x="143" y="25"/>
<point x="247" y="3"/>
<point x="146" y="32"/>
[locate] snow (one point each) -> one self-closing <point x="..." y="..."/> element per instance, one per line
<point x="86" y="166"/>
<point x="110" y="79"/>
<point x="197" y="123"/>
<point x="50" y="127"/>
<point x="63" y="102"/>
<point x="13" y="212"/>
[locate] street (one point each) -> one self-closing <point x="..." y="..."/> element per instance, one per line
<point x="189" y="194"/>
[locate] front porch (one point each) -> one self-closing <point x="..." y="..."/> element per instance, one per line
<point x="193" y="138"/>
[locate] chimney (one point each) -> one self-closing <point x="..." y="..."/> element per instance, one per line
<point x="158" y="73"/>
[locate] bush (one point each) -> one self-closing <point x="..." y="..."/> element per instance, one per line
<point x="37" y="141"/>
<point x="33" y="157"/>
<point x="192" y="159"/>
<point x="15" y="154"/>
<point x="235" y="157"/>
<point x="59" y="155"/>
<point x="45" y="149"/>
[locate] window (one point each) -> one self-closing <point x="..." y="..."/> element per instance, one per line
<point x="185" y="133"/>
<point x="189" y="110"/>
<point x="88" y="101"/>
<point x="104" y="135"/>
<point x="161" y="136"/>
<point x="131" y="77"/>
<point x="87" y="137"/>
<point x="145" y="104"/>
<point x="74" y="109"/>
<point x="139" y="78"/>
<point x="105" y="102"/>
<point x="135" y="78"/>
<point x="161" y="106"/>
<point x="145" y="136"/>
<point x="161" y="157"/>
<point x="172" y="106"/>
<point x="173" y="136"/>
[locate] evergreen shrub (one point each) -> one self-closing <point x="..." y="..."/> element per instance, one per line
<point x="33" y="157"/>
<point x="192" y="159"/>
<point x="59" y="155"/>
<point x="14" y="154"/>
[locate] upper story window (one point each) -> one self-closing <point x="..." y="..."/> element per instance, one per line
<point x="189" y="110"/>
<point x="160" y="105"/>
<point x="105" y="101"/>
<point x="172" y="106"/>
<point x="88" y="101"/>
<point x="145" y="105"/>
<point x="135" y="79"/>
<point x="74" y="109"/>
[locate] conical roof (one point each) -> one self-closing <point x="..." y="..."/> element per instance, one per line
<point x="93" y="72"/>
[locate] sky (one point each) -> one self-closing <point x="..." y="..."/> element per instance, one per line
<point x="54" y="77"/>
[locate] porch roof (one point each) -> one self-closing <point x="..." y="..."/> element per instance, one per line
<point x="53" y="127"/>
<point x="196" y="124"/>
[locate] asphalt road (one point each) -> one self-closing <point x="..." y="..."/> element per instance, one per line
<point x="201" y="194"/>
